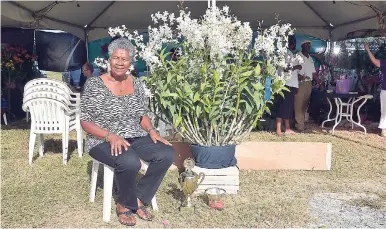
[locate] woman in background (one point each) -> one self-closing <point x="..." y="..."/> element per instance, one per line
<point x="380" y="64"/>
<point x="285" y="105"/>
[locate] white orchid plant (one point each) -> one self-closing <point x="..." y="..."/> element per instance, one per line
<point x="214" y="92"/>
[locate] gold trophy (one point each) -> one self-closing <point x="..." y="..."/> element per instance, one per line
<point x="189" y="181"/>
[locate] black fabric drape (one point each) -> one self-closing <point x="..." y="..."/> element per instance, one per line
<point x="59" y="52"/>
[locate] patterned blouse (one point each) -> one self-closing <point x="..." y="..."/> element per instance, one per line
<point x="118" y="114"/>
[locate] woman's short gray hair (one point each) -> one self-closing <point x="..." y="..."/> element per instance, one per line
<point x="122" y="43"/>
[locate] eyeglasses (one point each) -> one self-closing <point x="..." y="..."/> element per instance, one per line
<point x="85" y="70"/>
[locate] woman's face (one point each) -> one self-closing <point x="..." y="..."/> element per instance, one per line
<point x="86" y="71"/>
<point x="120" y="62"/>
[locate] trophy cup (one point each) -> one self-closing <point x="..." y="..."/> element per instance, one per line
<point x="189" y="181"/>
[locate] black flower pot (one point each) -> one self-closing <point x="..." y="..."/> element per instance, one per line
<point x="214" y="157"/>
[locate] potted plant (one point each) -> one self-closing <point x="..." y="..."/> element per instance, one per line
<point x="214" y="90"/>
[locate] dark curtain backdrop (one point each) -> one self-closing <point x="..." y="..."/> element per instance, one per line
<point x="59" y="52"/>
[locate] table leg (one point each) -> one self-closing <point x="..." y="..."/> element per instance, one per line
<point x="329" y="113"/>
<point x="350" y="111"/>
<point x="338" y="117"/>
<point x="358" y="113"/>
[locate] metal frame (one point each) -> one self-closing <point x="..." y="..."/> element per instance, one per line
<point x="348" y="114"/>
<point x="210" y="2"/>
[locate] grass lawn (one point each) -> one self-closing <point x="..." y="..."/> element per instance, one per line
<point x="54" y="75"/>
<point x="50" y="194"/>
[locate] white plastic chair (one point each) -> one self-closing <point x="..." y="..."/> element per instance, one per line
<point x="51" y="92"/>
<point x="51" y="83"/>
<point x="108" y="179"/>
<point x="64" y="98"/>
<point x="52" y="116"/>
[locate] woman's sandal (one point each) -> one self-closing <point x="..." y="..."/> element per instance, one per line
<point x="129" y="214"/>
<point x="148" y="216"/>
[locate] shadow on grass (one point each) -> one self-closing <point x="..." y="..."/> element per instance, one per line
<point x="20" y="124"/>
<point x="345" y="126"/>
<point x="175" y="192"/>
<point x="359" y="142"/>
<point x="55" y="146"/>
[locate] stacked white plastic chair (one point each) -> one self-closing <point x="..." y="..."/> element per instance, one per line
<point x="54" y="109"/>
<point x="54" y="83"/>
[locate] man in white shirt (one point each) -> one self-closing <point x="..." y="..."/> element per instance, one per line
<point x="285" y="105"/>
<point x="306" y="74"/>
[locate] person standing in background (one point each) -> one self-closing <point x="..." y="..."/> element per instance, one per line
<point x="87" y="72"/>
<point x="306" y="74"/>
<point x="380" y="64"/>
<point x="286" y="105"/>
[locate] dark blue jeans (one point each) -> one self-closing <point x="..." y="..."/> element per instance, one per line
<point x="127" y="165"/>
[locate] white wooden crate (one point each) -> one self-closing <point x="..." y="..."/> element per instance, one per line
<point x="226" y="178"/>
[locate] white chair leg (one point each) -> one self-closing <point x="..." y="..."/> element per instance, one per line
<point x="79" y="136"/>
<point x="145" y="166"/>
<point x="108" y="180"/>
<point x="65" y="146"/>
<point x="5" y="119"/>
<point x="154" y="204"/>
<point x="32" y="138"/>
<point x="41" y="144"/>
<point x="27" y="116"/>
<point x="94" y="177"/>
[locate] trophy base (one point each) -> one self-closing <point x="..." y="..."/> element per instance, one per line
<point x="189" y="210"/>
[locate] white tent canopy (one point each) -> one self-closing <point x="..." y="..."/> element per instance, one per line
<point x="328" y="20"/>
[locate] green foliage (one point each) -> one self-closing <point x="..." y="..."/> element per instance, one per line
<point x="209" y="107"/>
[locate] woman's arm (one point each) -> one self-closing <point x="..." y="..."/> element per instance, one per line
<point x="148" y="127"/>
<point x="94" y="129"/>
<point x="374" y="60"/>
<point x="146" y="124"/>
<point x="145" y="121"/>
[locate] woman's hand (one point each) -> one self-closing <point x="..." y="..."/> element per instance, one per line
<point x="156" y="137"/>
<point x="116" y="143"/>
<point x="367" y="47"/>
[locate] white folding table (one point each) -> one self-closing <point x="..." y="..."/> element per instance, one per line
<point x="346" y="109"/>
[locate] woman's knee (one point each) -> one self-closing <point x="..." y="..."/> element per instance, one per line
<point x="128" y="161"/>
<point x="168" y="154"/>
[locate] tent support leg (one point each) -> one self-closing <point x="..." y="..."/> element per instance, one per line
<point x="86" y="41"/>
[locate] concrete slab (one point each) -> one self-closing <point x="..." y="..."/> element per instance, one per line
<point x="284" y="156"/>
<point x="271" y="155"/>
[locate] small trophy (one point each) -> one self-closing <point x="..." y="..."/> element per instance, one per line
<point x="189" y="182"/>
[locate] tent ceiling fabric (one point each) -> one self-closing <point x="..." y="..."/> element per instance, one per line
<point x="312" y="17"/>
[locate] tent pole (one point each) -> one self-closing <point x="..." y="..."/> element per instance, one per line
<point x="331" y="41"/>
<point x="86" y="41"/>
<point x="331" y="51"/>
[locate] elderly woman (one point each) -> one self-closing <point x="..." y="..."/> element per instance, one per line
<point x="119" y="133"/>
